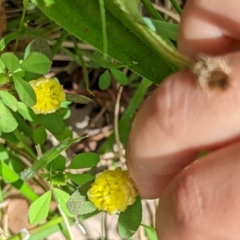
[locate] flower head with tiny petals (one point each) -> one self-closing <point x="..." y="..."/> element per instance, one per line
<point x="112" y="191"/>
<point x="49" y="94"/>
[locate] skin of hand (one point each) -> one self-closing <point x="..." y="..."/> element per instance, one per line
<point x="199" y="199"/>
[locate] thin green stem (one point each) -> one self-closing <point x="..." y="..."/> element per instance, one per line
<point x="104" y="28"/>
<point x="176" y="7"/>
<point x="38" y="229"/>
<point x="83" y="64"/>
<point x="146" y="226"/>
<point x="20" y="27"/>
<point x="21" y="140"/>
<point x="59" y="42"/>
<point x="152" y="11"/>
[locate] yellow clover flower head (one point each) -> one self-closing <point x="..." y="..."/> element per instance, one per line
<point x="112" y="191"/>
<point x="49" y="94"/>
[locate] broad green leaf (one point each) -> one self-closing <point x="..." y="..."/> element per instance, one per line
<point x="39" y="135"/>
<point x="104" y="80"/>
<point x="2" y="109"/>
<point x="11" y="61"/>
<point x="25" y="91"/>
<point x="39" y="209"/>
<point x="165" y="29"/>
<point x="2" y="67"/>
<point x="10" y="176"/>
<point x="78" y="98"/>
<point x="47" y="158"/>
<point x="126" y="47"/>
<point x="26" y="112"/>
<point x="58" y="163"/>
<point x="3" y="78"/>
<point x="9" y="100"/>
<point x="36" y="62"/>
<point x="80" y="179"/>
<point x="151" y="233"/>
<point x="7" y="122"/>
<point x="52" y="122"/>
<point x="84" y="160"/>
<point x="119" y="76"/>
<point x="78" y="204"/>
<point x="3" y="153"/>
<point x="130" y="220"/>
<point x="67" y="133"/>
<point x="62" y="198"/>
<point x="38" y="45"/>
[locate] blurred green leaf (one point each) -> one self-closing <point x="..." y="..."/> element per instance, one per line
<point x="58" y="163"/>
<point x="78" y="204"/>
<point x="3" y="78"/>
<point x="52" y="122"/>
<point x="104" y="80"/>
<point x="62" y="198"/>
<point x="26" y="112"/>
<point x="36" y="62"/>
<point x="25" y="91"/>
<point x="39" y="135"/>
<point x="9" y="100"/>
<point x="130" y="220"/>
<point x="11" y="61"/>
<point x="2" y="109"/>
<point x="38" y="45"/>
<point x="8" y="122"/>
<point x="2" y="66"/>
<point x="78" y="98"/>
<point x="119" y="76"/>
<point x="47" y="158"/>
<point x="39" y="209"/>
<point x="3" y="153"/>
<point x="84" y="160"/>
<point x="67" y="133"/>
<point x="80" y="179"/>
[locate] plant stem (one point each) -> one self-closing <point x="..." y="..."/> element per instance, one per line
<point x="38" y="229"/>
<point x="176" y="7"/>
<point x="152" y="11"/>
<point x="104" y="28"/>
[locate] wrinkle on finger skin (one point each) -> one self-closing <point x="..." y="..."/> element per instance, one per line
<point x="209" y="28"/>
<point x="205" y="194"/>
<point x="196" y="120"/>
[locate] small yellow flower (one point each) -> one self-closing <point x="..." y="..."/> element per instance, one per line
<point x="49" y="95"/>
<point x="112" y="191"/>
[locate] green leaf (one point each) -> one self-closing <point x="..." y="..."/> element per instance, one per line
<point x="36" y="62"/>
<point x="52" y="122"/>
<point x="2" y="66"/>
<point x="39" y="135"/>
<point x="2" y="109"/>
<point x="3" y="153"/>
<point x="125" y="46"/>
<point x="26" y="112"/>
<point x="62" y="198"/>
<point x="104" y="80"/>
<point x="78" y="204"/>
<point x="84" y="160"/>
<point x="165" y="29"/>
<point x="58" y="163"/>
<point x="130" y="220"/>
<point x="39" y="209"/>
<point x="38" y="45"/>
<point x="67" y="133"/>
<point x="78" y="98"/>
<point x="47" y="158"/>
<point x="119" y="76"/>
<point x="11" y="61"/>
<point x="7" y="122"/>
<point x="80" y="179"/>
<point x="9" y="100"/>
<point x="25" y="91"/>
<point x="3" y="78"/>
